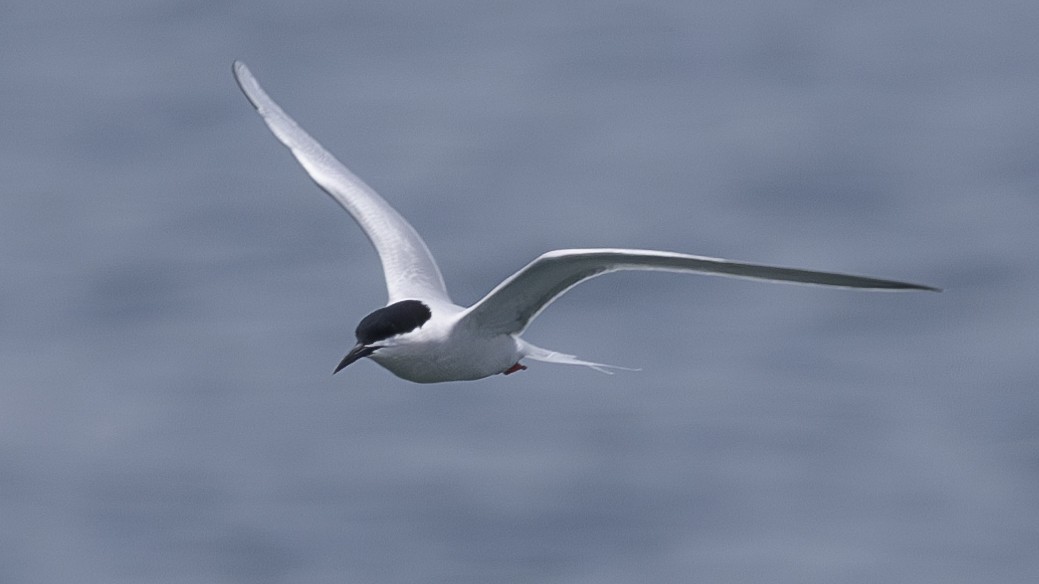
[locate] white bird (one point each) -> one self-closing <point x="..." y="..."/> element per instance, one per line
<point x="421" y="335"/>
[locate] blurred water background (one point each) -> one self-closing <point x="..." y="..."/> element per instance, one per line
<point x="175" y="292"/>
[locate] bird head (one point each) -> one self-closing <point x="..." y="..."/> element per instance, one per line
<point x="383" y="324"/>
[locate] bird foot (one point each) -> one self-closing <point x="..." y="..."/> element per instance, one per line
<point x="514" y="368"/>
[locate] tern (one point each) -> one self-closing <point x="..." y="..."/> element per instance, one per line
<point x="424" y="337"/>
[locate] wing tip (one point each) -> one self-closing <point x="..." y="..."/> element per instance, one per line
<point x="246" y="82"/>
<point x="239" y="69"/>
<point x="906" y="286"/>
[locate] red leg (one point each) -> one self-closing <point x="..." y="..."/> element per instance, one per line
<point x="514" y="368"/>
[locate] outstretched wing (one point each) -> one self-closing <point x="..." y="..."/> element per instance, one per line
<point x="409" y="268"/>
<point x="510" y="307"/>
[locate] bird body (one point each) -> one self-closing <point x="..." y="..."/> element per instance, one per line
<point x="422" y="336"/>
<point x="448" y="352"/>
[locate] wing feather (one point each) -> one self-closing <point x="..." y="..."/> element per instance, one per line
<point x="514" y="303"/>
<point x="409" y="267"/>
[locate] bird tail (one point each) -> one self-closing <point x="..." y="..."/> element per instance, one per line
<point x="544" y="355"/>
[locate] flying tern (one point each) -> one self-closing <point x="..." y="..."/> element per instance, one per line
<point x="422" y="336"/>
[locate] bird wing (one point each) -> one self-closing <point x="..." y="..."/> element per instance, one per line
<point x="409" y="267"/>
<point x="514" y="303"/>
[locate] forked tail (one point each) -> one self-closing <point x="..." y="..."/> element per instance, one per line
<point x="544" y="355"/>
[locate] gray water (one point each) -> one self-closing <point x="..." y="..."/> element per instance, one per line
<point x="176" y="293"/>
